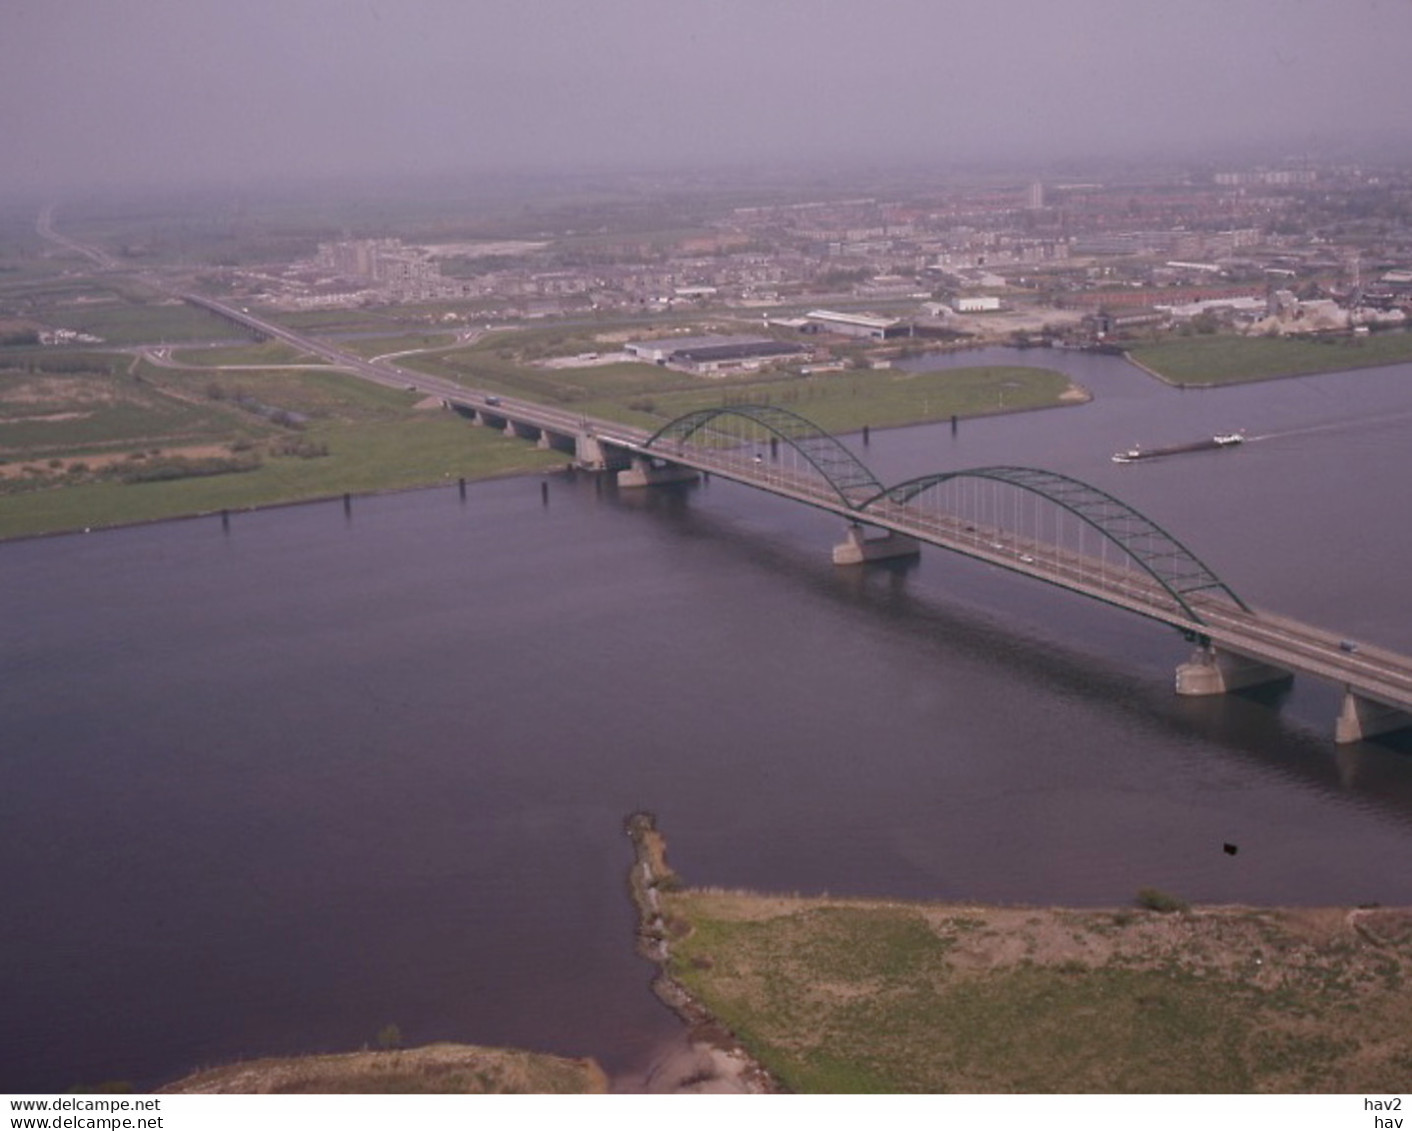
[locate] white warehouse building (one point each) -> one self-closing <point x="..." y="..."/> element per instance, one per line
<point x="975" y="304"/>
<point x="855" y="325"/>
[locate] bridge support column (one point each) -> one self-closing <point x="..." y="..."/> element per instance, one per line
<point x="1211" y="671"/>
<point x="557" y="441"/>
<point x="1360" y="718"/>
<point x="857" y="548"/>
<point x="588" y="453"/>
<point x="645" y="473"/>
<point x="592" y="455"/>
<point x="518" y="431"/>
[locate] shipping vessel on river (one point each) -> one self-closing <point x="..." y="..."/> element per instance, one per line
<point x="1220" y="440"/>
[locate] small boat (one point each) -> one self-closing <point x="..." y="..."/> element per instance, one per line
<point x="1226" y="438"/>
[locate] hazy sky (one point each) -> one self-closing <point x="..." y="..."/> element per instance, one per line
<point x="121" y="90"/>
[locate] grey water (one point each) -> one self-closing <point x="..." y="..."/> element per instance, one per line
<point x="266" y="791"/>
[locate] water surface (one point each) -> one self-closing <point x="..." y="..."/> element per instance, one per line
<point x="268" y="791"/>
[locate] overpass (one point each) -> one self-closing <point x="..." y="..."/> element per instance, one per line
<point x="1036" y="523"/>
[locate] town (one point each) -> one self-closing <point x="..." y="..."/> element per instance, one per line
<point x="1297" y="250"/>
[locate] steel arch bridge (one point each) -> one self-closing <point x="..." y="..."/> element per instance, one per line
<point x="1032" y="521"/>
<point x="1176" y="570"/>
<point x="848" y="477"/>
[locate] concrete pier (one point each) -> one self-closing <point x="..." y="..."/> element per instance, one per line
<point x="647" y="473"/>
<point x="1360" y="718"/>
<point x="519" y="431"/>
<point x="557" y="442"/>
<point x="589" y="453"/>
<point x="1211" y="671"/>
<point x="857" y="548"/>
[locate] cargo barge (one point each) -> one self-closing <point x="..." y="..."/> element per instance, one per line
<point x="1221" y="440"/>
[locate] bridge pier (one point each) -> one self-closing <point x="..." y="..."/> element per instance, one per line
<point x="590" y="454"/>
<point x="556" y="442"/>
<point x="1360" y="718"/>
<point x="1211" y="671"/>
<point x="649" y="473"/>
<point x="857" y="548"/>
<point x="517" y="431"/>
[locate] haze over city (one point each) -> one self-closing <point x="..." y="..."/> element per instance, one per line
<point x="168" y="91"/>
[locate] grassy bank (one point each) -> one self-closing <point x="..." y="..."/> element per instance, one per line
<point x="108" y="446"/>
<point x="443" y="1068"/>
<point x="360" y="459"/>
<point x="1224" y="359"/>
<point x="847" y="400"/>
<point x="840" y="401"/>
<point x="853" y="996"/>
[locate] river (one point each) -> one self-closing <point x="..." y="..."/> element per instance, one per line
<point x="266" y="791"/>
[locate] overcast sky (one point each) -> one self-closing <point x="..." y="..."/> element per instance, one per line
<point x="120" y="90"/>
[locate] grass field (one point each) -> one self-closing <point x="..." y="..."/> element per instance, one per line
<point x="648" y="395"/>
<point x="1224" y="359"/>
<point x="375" y="347"/>
<point x="260" y="353"/>
<point x="84" y="404"/>
<point x="388" y="320"/>
<point x="120" y="316"/>
<point x="441" y="1069"/>
<point x="67" y="440"/>
<point x="361" y="458"/>
<point x="855" y="996"/>
<point x="845" y="401"/>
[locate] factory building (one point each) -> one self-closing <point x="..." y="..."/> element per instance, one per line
<point x="856" y="325"/>
<point x="975" y="304"/>
<point x="713" y="354"/>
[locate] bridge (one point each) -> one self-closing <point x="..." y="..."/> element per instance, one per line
<point x="1036" y="523"/>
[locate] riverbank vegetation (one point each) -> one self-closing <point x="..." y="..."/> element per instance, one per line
<point x="441" y="1068"/>
<point x="92" y="440"/>
<point x="837" y="995"/>
<point x="1229" y="359"/>
<point x="844" y="397"/>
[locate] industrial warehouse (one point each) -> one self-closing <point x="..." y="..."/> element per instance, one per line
<point x="713" y="354"/>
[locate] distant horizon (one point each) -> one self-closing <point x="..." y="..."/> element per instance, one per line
<point x="834" y="173"/>
<point x="195" y="93"/>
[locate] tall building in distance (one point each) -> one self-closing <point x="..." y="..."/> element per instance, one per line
<point x="1035" y="198"/>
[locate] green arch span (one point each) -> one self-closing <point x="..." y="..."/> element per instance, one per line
<point x="844" y="472"/>
<point x="1169" y="563"/>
